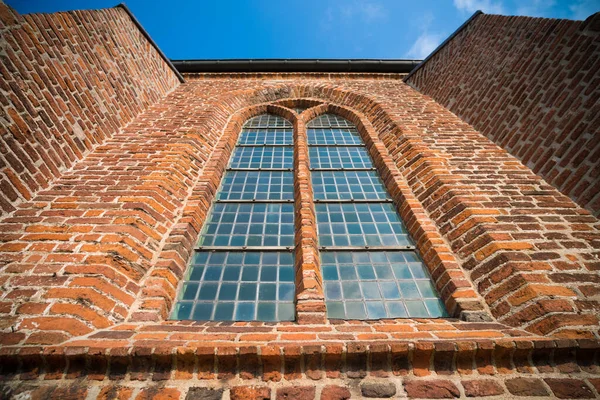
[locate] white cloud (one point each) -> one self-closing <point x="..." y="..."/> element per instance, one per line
<point x="487" y="6"/>
<point x="584" y="8"/>
<point x="365" y="11"/>
<point x="535" y="8"/>
<point x="425" y="44"/>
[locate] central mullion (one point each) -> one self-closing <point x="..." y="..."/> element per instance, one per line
<point x="310" y="300"/>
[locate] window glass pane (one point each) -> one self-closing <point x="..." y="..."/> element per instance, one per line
<point x="265" y="136"/>
<point x="242" y="297"/>
<point x="330" y="120"/>
<point x="360" y="224"/>
<point x="267" y="121"/>
<point x="251" y="185"/>
<point x="339" y="157"/>
<point x="247" y="224"/>
<point x="333" y="136"/>
<point x="371" y="296"/>
<point x="262" y="157"/>
<point x="344" y="185"/>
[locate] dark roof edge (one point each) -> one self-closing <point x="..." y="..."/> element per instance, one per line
<point x="296" y="65"/>
<point x="437" y="49"/>
<point x="147" y="36"/>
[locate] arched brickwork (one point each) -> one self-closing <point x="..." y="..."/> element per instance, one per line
<point x="101" y="244"/>
<point x="160" y="288"/>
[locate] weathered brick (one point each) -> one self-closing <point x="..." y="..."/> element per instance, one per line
<point x="431" y="389"/>
<point x="526" y="387"/>
<point x="565" y="388"/>
<point x="250" y="393"/>
<point x="482" y="388"/>
<point x="296" y="392"/>
<point x="334" y="392"/>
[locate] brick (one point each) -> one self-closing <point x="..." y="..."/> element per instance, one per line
<point x="158" y="393"/>
<point x="296" y="392"/>
<point x="334" y="392"/>
<point x="250" y="393"/>
<point x="380" y="389"/>
<point x="482" y="388"/>
<point x="200" y="393"/>
<point x="431" y="389"/>
<point x="570" y="388"/>
<point x="114" y="392"/>
<point x="526" y="387"/>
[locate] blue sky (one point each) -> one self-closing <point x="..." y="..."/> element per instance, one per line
<point x="193" y="29"/>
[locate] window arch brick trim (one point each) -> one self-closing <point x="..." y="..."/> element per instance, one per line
<point x="160" y="288"/>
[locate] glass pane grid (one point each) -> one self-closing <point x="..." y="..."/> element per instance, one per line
<point x="257" y="185"/>
<point x="363" y="284"/>
<point x="373" y="285"/>
<point x="330" y="121"/>
<point x="247" y="285"/>
<point x="262" y="157"/>
<point x="339" y="157"/>
<point x="267" y="121"/>
<point x="344" y="185"/>
<point x="266" y="136"/>
<point x="243" y="224"/>
<point x="360" y="224"/>
<point x="241" y="286"/>
<point x="333" y="136"/>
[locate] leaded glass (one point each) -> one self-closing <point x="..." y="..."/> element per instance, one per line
<point x="378" y="284"/>
<point x="246" y="224"/>
<point x="339" y="157"/>
<point x="257" y="185"/>
<point x="242" y="286"/>
<point x="331" y="136"/>
<point x="330" y="121"/>
<point x="336" y="185"/>
<point x="360" y="224"/>
<point x="265" y="136"/>
<point x="262" y="157"/>
<point x="267" y="121"/>
<point x="229" y="278"/>
<point x="355" y="212"/>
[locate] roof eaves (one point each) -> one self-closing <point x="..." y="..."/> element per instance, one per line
<point x="296" y="65"/>
<point x="147" y="36"/>
<point x="437" y="49"/>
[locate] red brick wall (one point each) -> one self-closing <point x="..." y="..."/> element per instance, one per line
<point x="69" y="81"/>
<point x="90" y="265"/>
<point x="117" y="229"/>
<point x="532" y="86"/>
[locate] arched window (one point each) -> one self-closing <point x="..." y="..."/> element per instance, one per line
<point x="243" y="266"/>
<point x="368" y="260"/>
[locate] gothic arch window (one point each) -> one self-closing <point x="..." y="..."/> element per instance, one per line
<point x="368" y="260"/>
<point x="242" y="268"/>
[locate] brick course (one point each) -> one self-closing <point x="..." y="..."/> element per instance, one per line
<point x="531" y="86"/>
